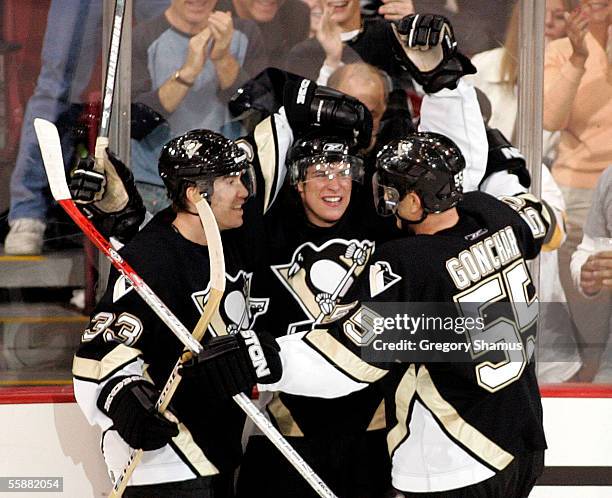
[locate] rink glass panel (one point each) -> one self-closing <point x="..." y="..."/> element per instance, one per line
<point x="45" y="300"/>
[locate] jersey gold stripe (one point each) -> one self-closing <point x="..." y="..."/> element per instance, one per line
<point x="265" y="138"/>
<point x="286" y="423"/>
<point x="403" y="397"/>
<point x="458" y="428"/>
<point x="343" y="358"/>
<point x="86" y="368"/>
<point x="379" y="420"/>
<point x="555" y="241"/>
<point x="193" y="453"/>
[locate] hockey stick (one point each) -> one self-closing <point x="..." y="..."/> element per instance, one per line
<point x="51" y="152"/>
<point x="109" y="83"/>
<point x="50" y="148"/>
<point x="217" y="288"/>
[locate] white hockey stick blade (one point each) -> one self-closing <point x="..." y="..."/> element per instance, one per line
<point x="51" y="151"/>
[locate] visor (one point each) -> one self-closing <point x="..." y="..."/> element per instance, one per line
<point x="326" y="167"/>
<point x="386" y="197"/>
<point x="246" y="176"/>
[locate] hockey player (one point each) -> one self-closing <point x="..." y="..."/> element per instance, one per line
<point x="127" y="353"/>
<point x="318" y="245"/>
<point x="455" y="429"/>
<point x="322" y="232"/>
<point x="366" y="417"/>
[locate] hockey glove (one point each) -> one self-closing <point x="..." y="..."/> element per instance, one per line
<point x="263" y="93"/>
<point x="130" y="404"/>
<point x="110" y="199"/>
<point x="311" y="107"/>
<point x="143" y="120"/>
<point x="232" y="364"/>
<point x="425" y="46"/>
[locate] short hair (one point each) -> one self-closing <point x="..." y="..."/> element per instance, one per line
<point x="361" y="70"/>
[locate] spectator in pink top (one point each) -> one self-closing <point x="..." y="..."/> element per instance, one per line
<point x="578" y="103"/>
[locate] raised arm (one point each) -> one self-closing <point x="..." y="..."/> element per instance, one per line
<point x="425" y="45"/>
<point x="564" y="68"/>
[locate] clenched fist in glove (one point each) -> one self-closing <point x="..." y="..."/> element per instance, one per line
<point x="425" y="46"/>
<point x="130" y="403"/>
<point x="109" y="198"/>
<point x="232" y="364"/>
<point x="311" y="107"/>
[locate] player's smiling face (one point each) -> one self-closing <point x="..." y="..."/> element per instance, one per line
<point x="325" y="194"/>
<point x="229" y="196"/>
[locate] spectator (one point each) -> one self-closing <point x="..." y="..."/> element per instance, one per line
<point x="283" y="23"/>
<point x="592" y="266"/>
<point x="578" y="103"/>
<point x="316" y="11"/>
<point x="498" y="73"/>
<point x="497" y="77"/>
<point x="344" y="37"/>
<point x="70" y="47"/>
<point x="367" y="84"/>
<point x="186" y="63"/>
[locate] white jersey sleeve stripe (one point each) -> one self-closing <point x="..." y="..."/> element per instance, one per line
<point x="456" y="114"/>
<point x="307" y="373"/>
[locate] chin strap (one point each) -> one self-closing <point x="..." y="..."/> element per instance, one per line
<point x="407" y="224"/>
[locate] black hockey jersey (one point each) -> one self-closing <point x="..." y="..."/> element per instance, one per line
<point x="450" y="424"/>
<point x="310" y="269"/>
<point x="125" y="337"/>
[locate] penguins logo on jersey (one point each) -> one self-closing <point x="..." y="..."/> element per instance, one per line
<point x="238" y="310"/>
<point x="381" y="278"/>
<point x="317" y="277"/>
<point x="122" y="287"/>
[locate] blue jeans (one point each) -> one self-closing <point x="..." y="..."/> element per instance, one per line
<point x="70" y="48"/>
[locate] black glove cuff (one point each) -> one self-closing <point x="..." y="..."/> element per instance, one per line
<point x="115" y="389"/>
<point x="223" y="368"/>
<point x="297" y="100"/>
<point x="504" y="157"/>
<point x="447" y="74"/>
<point x="143" y="120"/>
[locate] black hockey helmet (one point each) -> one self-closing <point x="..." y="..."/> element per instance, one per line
<point x="198" y="157"/>
<point x="426" y="163"/>
<point x="331" y="156"/>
